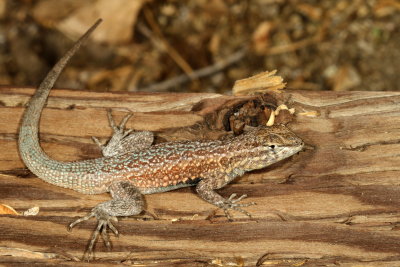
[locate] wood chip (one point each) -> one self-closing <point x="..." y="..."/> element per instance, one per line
<point x="260" y="83"/>
<point x="31" y="212"/>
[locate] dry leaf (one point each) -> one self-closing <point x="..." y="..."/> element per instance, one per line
<point x="3" y="5"/>
<point x="345" y="78"/>
<point x="119" y="18"/>
<point x="5" y="209"/>
<point x="115" y="79"/>
<point x="50" y="12"/>
<point x="261" y="37"/>
<point x="312" y="11"/>
<point x="384" y="8"/>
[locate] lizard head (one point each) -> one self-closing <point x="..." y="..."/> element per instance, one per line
<point x="277" y="136"/>
<point x="267" y="145"/>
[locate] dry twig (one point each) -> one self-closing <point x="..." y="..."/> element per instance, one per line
<point x="197" y="74"/>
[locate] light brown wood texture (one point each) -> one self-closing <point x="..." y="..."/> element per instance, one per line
<point x="338" y="204"/>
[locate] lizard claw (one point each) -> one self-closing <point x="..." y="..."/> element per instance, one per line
<point x="104" y="221"/>
<point x="97" y="142"/>
<point x="232" y="203"/>
<point x="120" y="129"/>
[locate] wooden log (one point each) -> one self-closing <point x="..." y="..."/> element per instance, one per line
<point x="336" y="204"/>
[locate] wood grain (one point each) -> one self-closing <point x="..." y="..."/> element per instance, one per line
<point x="338" y="204"/>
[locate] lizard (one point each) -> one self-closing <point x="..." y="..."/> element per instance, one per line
<point x="131" y="166"/>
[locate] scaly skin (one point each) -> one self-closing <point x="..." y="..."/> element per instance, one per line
<point x="131" y="166"/>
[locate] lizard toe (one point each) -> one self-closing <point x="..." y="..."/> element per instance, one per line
<point x="102" y="225"/>
<point x="232" y="203"/>
<point x="85" y="218"/>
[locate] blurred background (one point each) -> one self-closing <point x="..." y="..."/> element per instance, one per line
<point x="203" y="45"/>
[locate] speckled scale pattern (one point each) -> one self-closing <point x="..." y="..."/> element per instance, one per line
<point x="173" y="164"/>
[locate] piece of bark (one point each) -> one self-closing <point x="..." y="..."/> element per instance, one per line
<point x="336" y="204"/>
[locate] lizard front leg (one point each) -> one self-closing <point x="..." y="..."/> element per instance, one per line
<point x="123" y="141"/>
<point x="127" y="201"/>
<point x="205" y="189"/>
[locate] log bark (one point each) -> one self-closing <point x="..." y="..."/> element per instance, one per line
<point x="338" y="203"/>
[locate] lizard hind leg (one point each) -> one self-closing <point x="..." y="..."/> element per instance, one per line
<point x="127" y="201"/>
<point x="122" y="140"/>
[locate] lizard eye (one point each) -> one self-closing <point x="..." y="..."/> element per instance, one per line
<point x="272" y="146"/>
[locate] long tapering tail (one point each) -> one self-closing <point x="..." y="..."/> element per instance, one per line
<point x="31" y="153"/>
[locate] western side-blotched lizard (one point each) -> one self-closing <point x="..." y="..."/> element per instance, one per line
<point x="131" y="166"/>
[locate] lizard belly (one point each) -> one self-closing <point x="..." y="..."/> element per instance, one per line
<point x="152" y="190"/>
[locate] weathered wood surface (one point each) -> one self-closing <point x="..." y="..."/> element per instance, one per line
<point x="339" y="204"/>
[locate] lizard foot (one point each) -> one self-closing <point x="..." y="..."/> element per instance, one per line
<point x="124" y="140"/>
<point x="232" y="203"/>
<point x="119" y="130"/>
<point x="103" y="222"/>
<point x="119" y="133"/>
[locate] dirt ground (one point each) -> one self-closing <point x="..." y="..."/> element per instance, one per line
<point x="203" y="45"/>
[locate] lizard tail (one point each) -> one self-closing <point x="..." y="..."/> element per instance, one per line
<point x="31" y="153"/>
